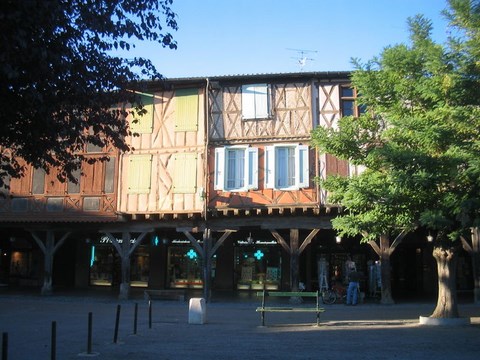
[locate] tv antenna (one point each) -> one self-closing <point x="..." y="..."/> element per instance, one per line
<point x="303" y="56"/>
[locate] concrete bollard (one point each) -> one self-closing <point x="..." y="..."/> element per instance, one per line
<point x="197" y="311"/>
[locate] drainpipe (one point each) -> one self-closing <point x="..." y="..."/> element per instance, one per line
<point x="206" y="141"/>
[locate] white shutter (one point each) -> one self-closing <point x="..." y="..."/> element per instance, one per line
<point x="251" y="168"/>
<point x="269" y="167"/>
<point x="219" y="182"/>
<point x="261" y="101"/>
<point x="302" y="173"/>
<point x="248" y="102"/>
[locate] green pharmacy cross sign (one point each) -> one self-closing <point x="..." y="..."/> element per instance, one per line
<point x="259" y="254"/>
<point x="191" y="254"/>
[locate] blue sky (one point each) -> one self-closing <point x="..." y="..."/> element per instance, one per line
<point x="228" y="37"/>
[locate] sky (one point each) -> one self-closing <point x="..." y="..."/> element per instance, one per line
<point x="231" y="37"/>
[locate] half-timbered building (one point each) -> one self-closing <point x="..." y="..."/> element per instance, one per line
<point x="218" y="192"/>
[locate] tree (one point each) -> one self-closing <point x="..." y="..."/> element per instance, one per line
<point x="420" y="138"/>
<point x="60" y="77"/>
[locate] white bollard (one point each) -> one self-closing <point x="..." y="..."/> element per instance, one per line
<point x="197" y="311"/>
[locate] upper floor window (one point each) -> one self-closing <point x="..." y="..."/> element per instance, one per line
<point x="143" y="123"/>
<point x="286" y="167"/>
<point x="139" y="174"/>
<point x="236" y="168"/>
<point x="186" y="110"/>
<point x="185" y="173"/>
<point x="38" y="181"/>
<point x="348" y="100"/>
<point x="255" y="101"/>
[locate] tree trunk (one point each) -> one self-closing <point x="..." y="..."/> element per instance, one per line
<point x="446" y="257"/>
<point x="476" y="264"/>
<point x="385" y="270"/>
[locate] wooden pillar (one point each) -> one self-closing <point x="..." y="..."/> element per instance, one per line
<point x="294" y="260"/>
<point x="206" y="252"/>
<point x="125" y="248"/>
<point x="48" y="248"/>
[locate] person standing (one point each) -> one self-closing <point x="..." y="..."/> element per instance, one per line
<point x="353" y="287"/>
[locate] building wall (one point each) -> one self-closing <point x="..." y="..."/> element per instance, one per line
<point x="164" y="143"/>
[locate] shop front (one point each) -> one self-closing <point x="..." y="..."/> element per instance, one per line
<point x="258" y="265"/>
<point x="105" y="264"/>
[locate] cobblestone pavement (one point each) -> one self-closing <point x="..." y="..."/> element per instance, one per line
<point x="232" y="331"/>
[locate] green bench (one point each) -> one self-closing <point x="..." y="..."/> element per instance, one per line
<point x="295" y="294"/>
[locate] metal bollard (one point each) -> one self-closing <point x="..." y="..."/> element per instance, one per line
<point x="89" y="336"/>
<point x="4" y="346"/>
<point x="135" y="319"/>
<point x="53" y="353"/>
<point x="117" y="320"/>
<point x="149" y="314"/>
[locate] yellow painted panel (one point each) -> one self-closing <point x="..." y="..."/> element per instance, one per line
<point x="139" y="174"/>
<point x="186" y="110"/>
<point x="143" y="124"/>
<point x="185" y="173"/>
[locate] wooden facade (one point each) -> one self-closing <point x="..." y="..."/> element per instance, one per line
<point x="172" y="159"/>
<point x="212" y="161"/>
<point x="38" y="196"/>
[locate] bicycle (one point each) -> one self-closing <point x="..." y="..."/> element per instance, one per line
<point x="336" y="293"/>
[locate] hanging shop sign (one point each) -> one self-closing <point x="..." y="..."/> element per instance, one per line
<point x="106" y="240"/>
<point x="257" y="242"/>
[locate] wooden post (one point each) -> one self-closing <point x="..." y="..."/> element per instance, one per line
<point x="294" y="260"/>
<point x="48" y="248"/>
<point x="125" y="248"/>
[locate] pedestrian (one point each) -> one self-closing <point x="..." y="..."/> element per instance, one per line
<point x="353" y="287"/>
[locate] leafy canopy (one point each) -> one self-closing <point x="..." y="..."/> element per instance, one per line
<point x="419" y="137"/>
<point x="59" y="75"/>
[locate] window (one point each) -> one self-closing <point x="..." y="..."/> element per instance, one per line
<point x="186" y="110"/>
<point x="143" y="124"/>
<point x="348" y="101"/>
<point x="286" y="167"/>
<point x="236" y="168"/>
<point x="255" y="101"/>
<point x="185" y="173"/>
<point x="109" y="187"/>
<point x="139" y="173"/>
<point x="38" y="181"/>
<point x="74" y="187"/>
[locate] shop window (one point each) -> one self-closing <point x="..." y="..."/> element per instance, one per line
<point x="236" y="168"/>
<point x="255" y="101"/>
<point x="186" y="110"/>
<point x="287" y="167"/>
<point x="258" y="267"/>
<point x="185" y="267"/>
<point x="105" y="265"/>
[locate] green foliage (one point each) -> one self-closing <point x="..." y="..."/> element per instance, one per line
<point x="418" y="139"/>
<point x="59" y="75"/>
